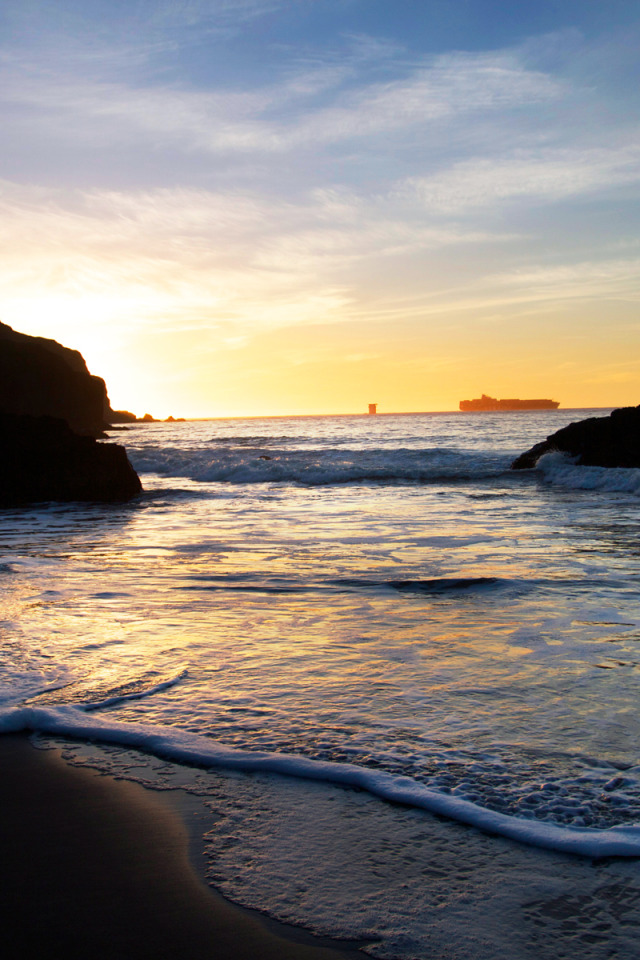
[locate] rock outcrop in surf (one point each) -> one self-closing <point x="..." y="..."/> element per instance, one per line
<point x="43" y="459"/>
<point x="612" y="441"/>
<point x="51" y="412"/>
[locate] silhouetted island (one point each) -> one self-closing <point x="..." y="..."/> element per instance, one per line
<point x="121" y="417"/>
<point x="51" y="412"/>
<point x="612" y="441"/>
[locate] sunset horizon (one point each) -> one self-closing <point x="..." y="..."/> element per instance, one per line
<point x="320" y="479"/>
<point x="269" y="207"/>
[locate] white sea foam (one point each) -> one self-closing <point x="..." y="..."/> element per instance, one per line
<point x="560" y="470"/>
<point x="408" y="885"/>
<point x="183" y="747"/>
<point x="242" y="464"/>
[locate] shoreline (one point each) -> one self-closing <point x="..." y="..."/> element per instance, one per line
<point x="99" y="867"/>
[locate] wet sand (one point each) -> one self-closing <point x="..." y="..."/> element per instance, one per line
<point x="95" y="867"/>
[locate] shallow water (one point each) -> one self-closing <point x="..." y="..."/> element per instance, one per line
<point x="369" y="594"/>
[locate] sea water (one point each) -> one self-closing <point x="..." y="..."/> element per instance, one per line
<point x="390" y="666"/>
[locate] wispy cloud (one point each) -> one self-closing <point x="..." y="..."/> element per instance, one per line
<point x="452" y="86"/>
<point x="547" y="175"/>
<point x="611" y="278"/>
<point x="162" y="173"/>
<point x="277" y="118"/>
<point x="235" y="266"/>
<point x="221" y="253"/>
<point x="191" y="13"/>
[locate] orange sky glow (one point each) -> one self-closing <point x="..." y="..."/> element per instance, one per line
<point x="384" y="215"/>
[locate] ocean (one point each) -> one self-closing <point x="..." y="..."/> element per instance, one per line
<point x="399" y="680"/>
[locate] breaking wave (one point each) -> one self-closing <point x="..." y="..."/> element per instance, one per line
<point x="250" y="464"/>
<point x="179" y="746"/>
<point x="559" y="470"/>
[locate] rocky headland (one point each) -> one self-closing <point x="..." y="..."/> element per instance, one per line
<point x="612" y="441"/>
<point x="39" y="376"/>
<point x="51" y="412"/>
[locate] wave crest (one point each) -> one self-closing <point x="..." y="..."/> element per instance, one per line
<point x="180" y="746"/>
<point x="317" y="467"/>
<point x="560" y="470"/>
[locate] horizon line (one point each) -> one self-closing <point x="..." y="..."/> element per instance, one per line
<point x="366" y="415"/>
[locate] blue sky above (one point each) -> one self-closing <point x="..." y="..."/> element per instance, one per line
<point x="398" y="193"/>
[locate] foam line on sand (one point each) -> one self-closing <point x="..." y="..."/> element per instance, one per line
<point x="95" y="867"/>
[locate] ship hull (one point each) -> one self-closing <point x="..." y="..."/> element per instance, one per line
<point x="485" y="403"/>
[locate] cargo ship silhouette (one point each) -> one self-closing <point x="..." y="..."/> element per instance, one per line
<point x="490" y="403"/>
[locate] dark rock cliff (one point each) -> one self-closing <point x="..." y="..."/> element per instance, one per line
<point x="51" y="411"/>
<point x="40" y="376"/>
<point x="41" y="459"/>
<point x="612" y="441"/>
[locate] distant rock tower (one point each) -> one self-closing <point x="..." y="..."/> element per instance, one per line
<point x="373" y="408"/>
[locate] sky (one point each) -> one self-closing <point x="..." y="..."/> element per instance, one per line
<point x="267" y="207"/>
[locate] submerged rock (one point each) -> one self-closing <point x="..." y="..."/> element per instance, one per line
<point x="612" y="441"/>
<point x="43" y="459"/>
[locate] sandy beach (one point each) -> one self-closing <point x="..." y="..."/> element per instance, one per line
<point x="94" y="867"/>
